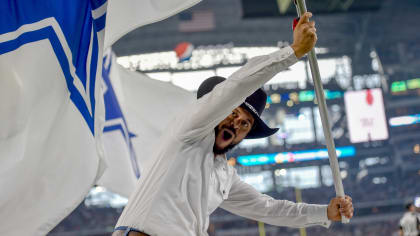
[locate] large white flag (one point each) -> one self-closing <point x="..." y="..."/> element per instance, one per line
<point x="51" y="111"/>
<point x="51" y="107"/>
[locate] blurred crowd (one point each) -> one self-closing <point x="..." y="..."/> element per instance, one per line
<point x="383" y="228"/>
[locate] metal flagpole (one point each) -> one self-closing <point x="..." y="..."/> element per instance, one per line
<point x="298" y="194"/>
<point x="319" y="91"/>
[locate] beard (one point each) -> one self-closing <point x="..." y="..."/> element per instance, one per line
<point x="224" y="150"/>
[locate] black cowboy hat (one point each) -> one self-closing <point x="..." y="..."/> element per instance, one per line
<point x="254" y="104"/>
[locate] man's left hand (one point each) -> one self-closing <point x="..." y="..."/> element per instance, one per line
<point x="340" y="206"/>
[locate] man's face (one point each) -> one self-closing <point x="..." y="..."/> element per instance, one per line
<point x="232" y="130"/>
<point x="412" y="208"/>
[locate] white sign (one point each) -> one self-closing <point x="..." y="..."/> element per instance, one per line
<point x="366" y="115"/>
<point x="261" y="181"/>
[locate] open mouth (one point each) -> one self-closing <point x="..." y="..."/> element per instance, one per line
<point x="227" y="134"/>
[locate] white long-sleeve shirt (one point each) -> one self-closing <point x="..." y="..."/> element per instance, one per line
<point x="187" y="182"/>
<point x="410" y="224"/>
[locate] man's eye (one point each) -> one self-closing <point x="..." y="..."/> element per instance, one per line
<point x="245" y="124"/>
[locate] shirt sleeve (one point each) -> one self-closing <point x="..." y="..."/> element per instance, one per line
<point x="201" y="118"/>
<point x="245" y="201"/>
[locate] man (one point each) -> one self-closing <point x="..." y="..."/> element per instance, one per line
<point x="409" y="223"/>
<point x="191" y="178"/>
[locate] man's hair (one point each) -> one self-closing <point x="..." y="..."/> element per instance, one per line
<point x="407" y="206"/>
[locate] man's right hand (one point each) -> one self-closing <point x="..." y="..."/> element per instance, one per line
<point x="340" y="206"/>
<point x="304" y="35"/>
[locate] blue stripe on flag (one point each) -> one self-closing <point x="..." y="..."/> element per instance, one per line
<point x="97" y="3"/>
<point x="93" y="68"/>
<point x="49" y="33"/>
<point x="76" y="23"/>
<point x="115" y="127"/>
<point x="100" y="22"/>
<point x="113" y="112"/>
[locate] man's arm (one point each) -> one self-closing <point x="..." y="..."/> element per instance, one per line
<point x="245" y="201"/>
<point x="400" y="231"/>
<point x="215" y="106"/>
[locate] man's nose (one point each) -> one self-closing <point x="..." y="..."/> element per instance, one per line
<point x="236" y="122"/>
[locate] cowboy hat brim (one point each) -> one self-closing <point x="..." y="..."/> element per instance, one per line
<point x="259" y="129"/>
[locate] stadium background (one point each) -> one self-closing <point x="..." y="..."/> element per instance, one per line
<point x="367" y="46"/>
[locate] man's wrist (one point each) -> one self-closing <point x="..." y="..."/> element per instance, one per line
<point x="299" y="54"/>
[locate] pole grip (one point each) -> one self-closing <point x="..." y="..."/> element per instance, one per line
<point x="323" y="111"/>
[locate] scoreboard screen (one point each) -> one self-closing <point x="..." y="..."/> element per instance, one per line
<point x="366" y="115"/>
